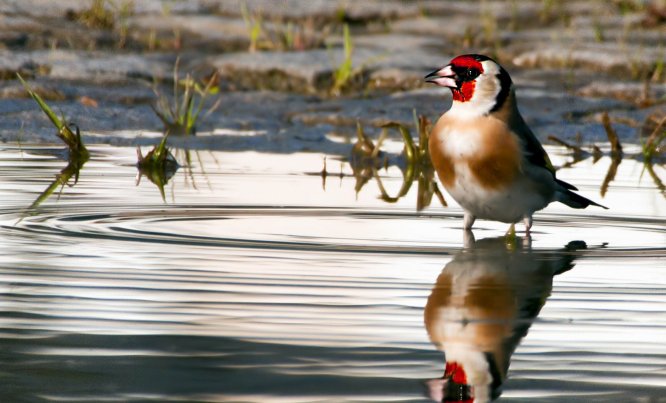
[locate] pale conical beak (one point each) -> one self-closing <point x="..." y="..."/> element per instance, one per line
<point x="444" y="77"/>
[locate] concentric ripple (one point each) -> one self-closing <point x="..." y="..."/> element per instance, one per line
<point x="304" y="293"/>
<point x="330" y="229"/>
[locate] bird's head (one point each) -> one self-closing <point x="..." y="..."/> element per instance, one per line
<point x="454" y="386"/>
<point x="478" y="83"/>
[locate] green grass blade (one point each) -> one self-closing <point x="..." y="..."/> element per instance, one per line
<point x="61" y="180"/>
<point x="160" y="152"/>
<point x="64" y="132"/>
<point x="345" y="70"/>
<point x="77" y="150"/>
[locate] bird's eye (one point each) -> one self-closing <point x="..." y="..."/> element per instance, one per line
<point x="471" y="73"/>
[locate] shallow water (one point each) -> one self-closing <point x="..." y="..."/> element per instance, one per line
<point x="254" y="281"/>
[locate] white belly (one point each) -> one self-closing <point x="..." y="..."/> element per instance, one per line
<point x="508" y="205"/>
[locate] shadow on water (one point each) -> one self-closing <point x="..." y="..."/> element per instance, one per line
<point x="158" y="165"/>
<point x="72" y="169"/>
<point x="188" y="368"/>
<point x="159" y="170"/>
<point x="367" y="158"/>
<point x="68" y="176"/>
<point x="651" y="151"/>
<point x="482" y="305"/>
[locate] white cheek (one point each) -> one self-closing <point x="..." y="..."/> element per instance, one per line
<point x="487" y="88"/>
<point x="481" y="104"/>
<point x="485" y="95"/>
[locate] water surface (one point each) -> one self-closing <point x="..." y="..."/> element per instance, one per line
<point x="254" y="281"/>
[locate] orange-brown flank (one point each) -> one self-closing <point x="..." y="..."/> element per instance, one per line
<point x="497" y="161"/>
<point x="443" y="163"/>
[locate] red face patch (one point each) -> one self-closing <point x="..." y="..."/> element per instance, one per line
<point x="465" y="92"/>
<point x="456" y="372"/>
<point x="460" y="65"/>
<point x="457" y="389"/>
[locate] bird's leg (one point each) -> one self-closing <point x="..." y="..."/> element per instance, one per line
<point x="527" y="220"/>
<point x="468" y="239"/>
<point x="527" y="242"/>
<point x="468" y="221"/>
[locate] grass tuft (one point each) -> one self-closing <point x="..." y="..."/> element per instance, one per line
<point x="578" y="153"/>
<point x="418" y="166"/>
<point x="78" y="154"/>
<point x="616" y="153"/>
<point x="616" y="146"/>
<point x="98" y="15"/>
<point x="158" y="165"/>
<point x="652" y="146"/>
<point x="367" y="158"/>
<point x="107" y="14"/>
<point x="254" y="27"/>
<point x="281" y="34"/>
<point x="345" y="71"/>
<point x="181" y="115"/>
<point x="77" y="150"/>
<point x="63" y="178"/>
<point x="652" y="140"/>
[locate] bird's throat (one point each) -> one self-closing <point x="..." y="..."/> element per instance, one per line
<point x="464" y="93"/>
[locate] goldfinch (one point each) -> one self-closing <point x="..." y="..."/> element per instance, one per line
<point x="482" y="305"/>
<point x="484" y="153"/>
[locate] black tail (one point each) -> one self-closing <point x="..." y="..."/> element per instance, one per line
<point x="575" y="200"/>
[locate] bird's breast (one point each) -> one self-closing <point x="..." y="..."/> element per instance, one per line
<point x="481" y="150"/>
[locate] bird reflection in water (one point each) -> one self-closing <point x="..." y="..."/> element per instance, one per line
<point x="482" y="305"/>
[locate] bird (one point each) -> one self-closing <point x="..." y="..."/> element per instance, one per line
<point x="481" y="307"/>
<point x="484" y="153"/>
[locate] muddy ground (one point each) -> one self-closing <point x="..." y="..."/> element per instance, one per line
<point x="571" y="62"/>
